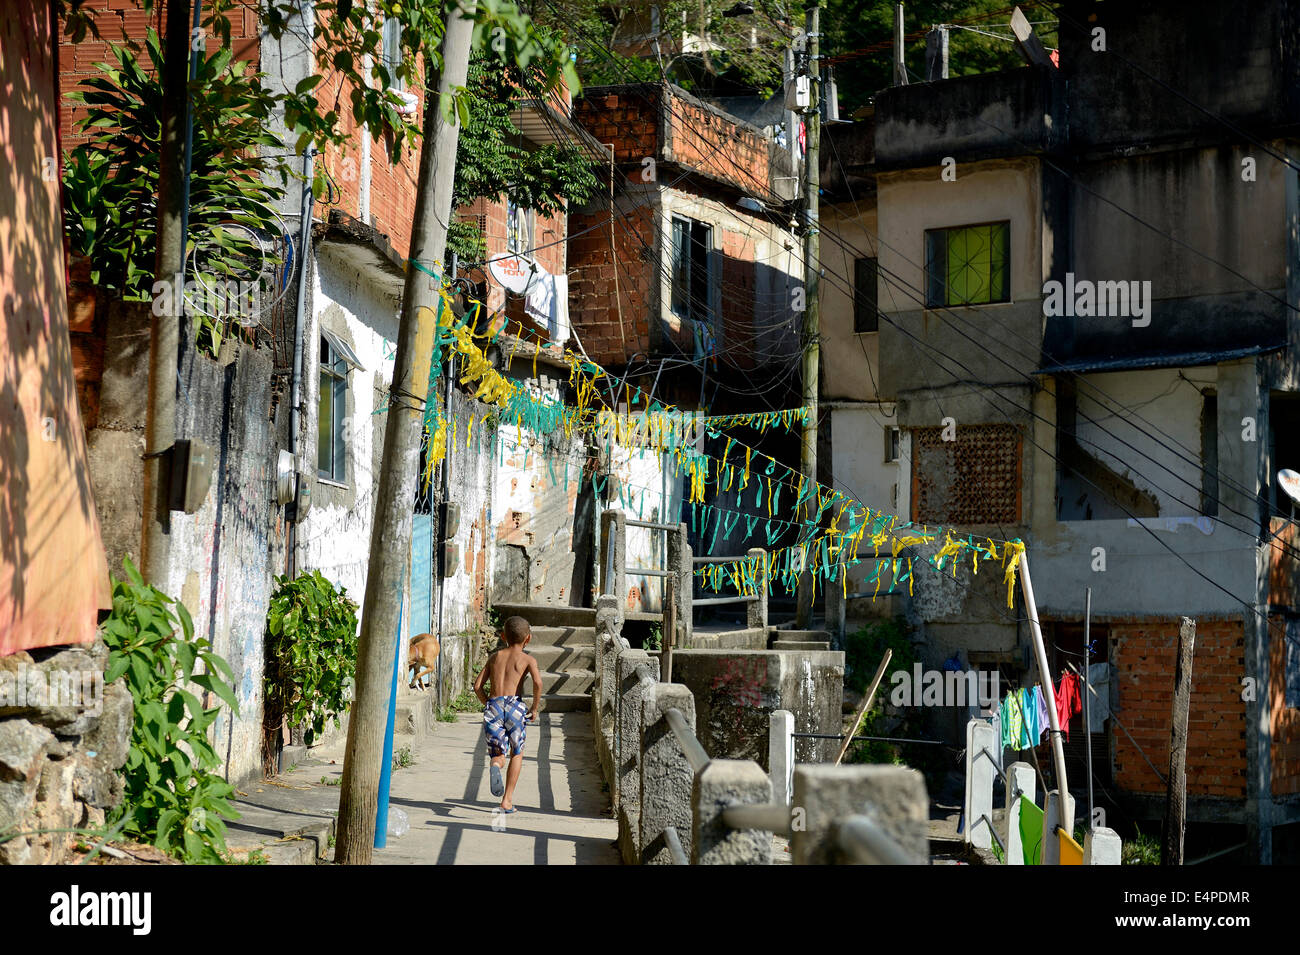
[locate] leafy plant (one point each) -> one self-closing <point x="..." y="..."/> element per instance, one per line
<point x="655" y="639"/>
<point x="1142" y="849"/>
<point x="174" y="798"/>
<point x="466" y="702"/>
<point x="402" y="758"/>
<point x="111" y="182"/>
<point x="311" y="648"/>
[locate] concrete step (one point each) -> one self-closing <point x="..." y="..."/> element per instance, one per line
<point x="576" y="656"/>
<point x="573" y="636"/>
<point x="568" y="681"/>
<point x="566" y="702"/>
<point x="547" y="615"/>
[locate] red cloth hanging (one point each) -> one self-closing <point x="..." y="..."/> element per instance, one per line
<point x="1068" y="700"/>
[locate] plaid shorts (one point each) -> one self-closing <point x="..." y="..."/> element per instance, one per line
<point x="505" y="721"/>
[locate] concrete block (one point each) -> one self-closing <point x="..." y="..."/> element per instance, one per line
<point x="666" y="774"/>
<point x="756" y="610"/>
<point x="980" y="766"/>
<point x="780" y="755"/>
<point x="893" y="797"/>
<point x="1023" y="781"/>
<point x="681" y="564"/>
<point x="627" y="728"/>
<point x="1059" y="811"/>
<point x="723" y="783"/>
<point x="1102" y="846"/>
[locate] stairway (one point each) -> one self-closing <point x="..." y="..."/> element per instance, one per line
<point x="564" y="644"/>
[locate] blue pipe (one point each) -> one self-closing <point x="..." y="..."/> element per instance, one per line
<point x="386" y="770"/>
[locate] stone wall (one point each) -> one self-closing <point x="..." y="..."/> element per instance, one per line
<point x="58" y="763"/>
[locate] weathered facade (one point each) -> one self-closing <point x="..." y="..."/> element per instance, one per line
<point x="1128" y="422"/>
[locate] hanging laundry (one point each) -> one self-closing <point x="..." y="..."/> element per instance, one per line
<point x="1027" y="738"/>
<point x="1012" y="721"/>
<point x="547" y="302"/>
<point x="1071" y="851"/>
<point x="1068" y="701"/>
<point x="1044" y="721"/>
<point x="1099" y="701"/>
<point x="1031" y="831"/>
<point x="1034" y="715"/>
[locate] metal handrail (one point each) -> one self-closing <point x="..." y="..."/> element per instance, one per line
<point x="867" y="844"/>
<point x="648" y="571"/>
<point x="691" y="748"/>
<point x="653" y="525"/>
<point x="713" y="601"/>
<point x="717" y="560"/>
<point x="675" y="849"/>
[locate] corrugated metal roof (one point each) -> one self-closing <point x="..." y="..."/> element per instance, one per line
<point x="1135" y="362"/>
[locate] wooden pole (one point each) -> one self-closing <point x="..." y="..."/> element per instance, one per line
<point x="1171" y="843"/>
<point x="669" y="632"/>
<point x="864" y="706"/>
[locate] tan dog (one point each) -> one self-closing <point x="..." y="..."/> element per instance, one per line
<point x="423" y="652"/>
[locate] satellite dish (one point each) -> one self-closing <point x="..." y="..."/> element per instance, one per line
<point x="1289" y="481"/>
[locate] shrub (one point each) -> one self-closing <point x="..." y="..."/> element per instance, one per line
<point x="174" y="799"/>
<point x="311" y="653"/>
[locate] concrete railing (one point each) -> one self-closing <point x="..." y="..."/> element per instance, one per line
<point x="680" y="570"/>
<point x="1101" y="846"/>
<point x="674" y="803"/>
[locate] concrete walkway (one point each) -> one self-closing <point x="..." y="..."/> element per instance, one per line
<point x="563" y="816"/>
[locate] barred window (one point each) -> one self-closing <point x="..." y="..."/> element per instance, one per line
<point x="972" y="479"/>
<point x="969" y="265"/>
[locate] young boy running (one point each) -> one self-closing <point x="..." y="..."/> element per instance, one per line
<point x="504" y="718"/>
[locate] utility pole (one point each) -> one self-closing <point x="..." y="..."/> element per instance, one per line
<point x="390" y="539"/>
<point x="812" y="293"/>
<point x="165" y="329"/>
<point x="1171" y="842"/>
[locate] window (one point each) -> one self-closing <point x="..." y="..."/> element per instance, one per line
<point x="865" y="317"/>
<point x="692" y="244"/>
<point x="391" y="54"/>
<point x="335" y="360"/>
<point x="1292" y="673"/>
<point x="973" y="477"/>
<point x="519" y="228"/>
<point x="969" y="265"/>
<point x="892" y="437"/>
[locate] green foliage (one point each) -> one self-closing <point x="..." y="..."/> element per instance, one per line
<point x="864" y="650"/>
<point x="111" y="182"/>
<point x="655" y="640"/>
<point x="402" y="758"/>
<point x="174" y="798"/>
<point x="866" y="28"/>
<point x="466" y="702"/>
<point x="311" y="652"/>
<point x="1142" y="849"/>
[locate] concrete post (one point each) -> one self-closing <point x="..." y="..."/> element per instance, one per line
<point x="780" y="755"/>
<point x="608" y="647"/>
<point x="666" y="774"/>
<point x="1058" y="808"/>
<point x="836" y="605"/>
<point x="627" y="742"/>
<point x="723" y="783"/>
<point x="893" y="797"/>
<point x="980" y="765"/>
<point x="682" y="566"/>
<point x="613" y="575"/>
<point x="756" y="610"/>
<point x="1102" y="846"/>
<point x="1021" y="781"/>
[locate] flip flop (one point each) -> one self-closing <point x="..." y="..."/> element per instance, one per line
<point x="497" y="786"/>
<point x="506" y="812"/>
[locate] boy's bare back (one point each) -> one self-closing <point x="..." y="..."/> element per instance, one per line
<point x="506" y="669"/>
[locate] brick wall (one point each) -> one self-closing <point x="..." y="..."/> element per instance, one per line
<point x="739" y="276"/>
<point x="120" y="20"/>
<point x="627" y="116"/>
<point x="1144" y="656"/>
<point x="719" y="147"/>
<point x="1284" y="722"/>
<point x="594" y="307"/>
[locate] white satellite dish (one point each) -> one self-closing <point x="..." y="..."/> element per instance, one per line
<point x="1289" y="481"/>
